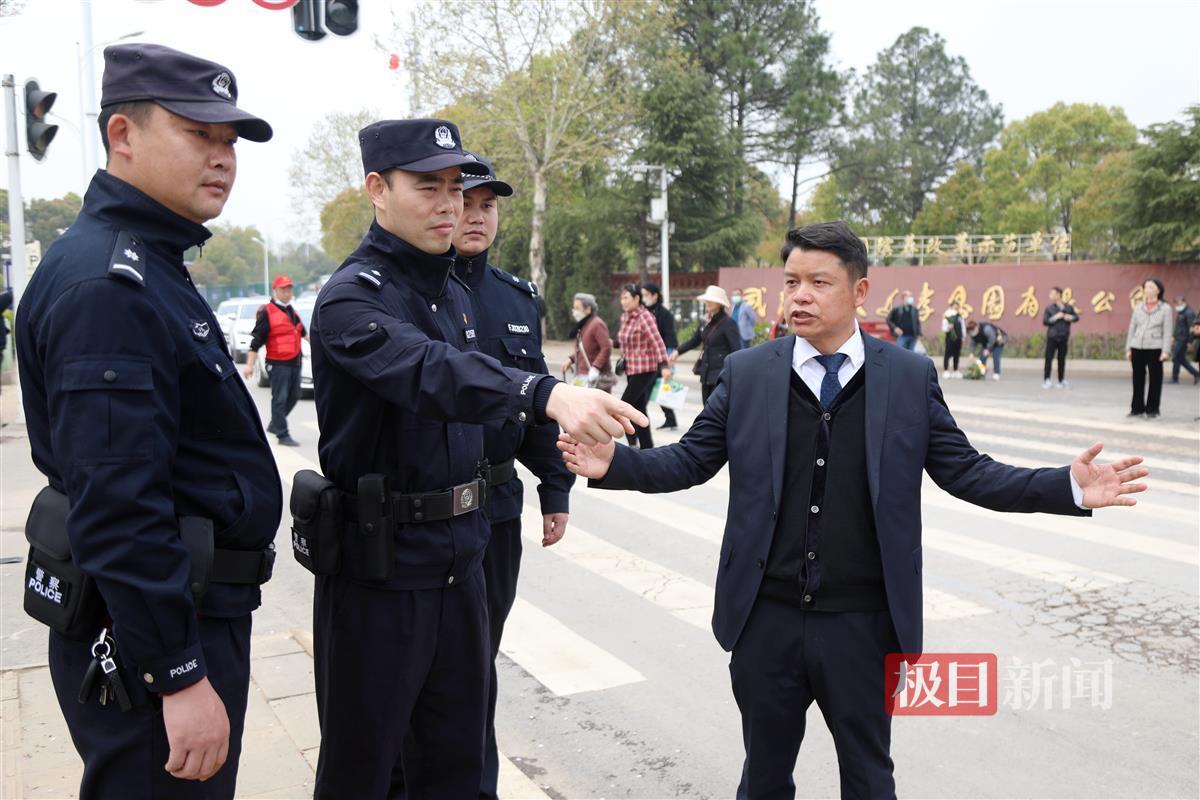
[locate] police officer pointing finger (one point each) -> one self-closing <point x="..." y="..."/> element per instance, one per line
<point x="402" y="391"/>
<point x="150" y="542"/>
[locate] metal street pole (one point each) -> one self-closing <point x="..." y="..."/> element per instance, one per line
<point x="16" y="211"/>
<point x="89" y="130"/>
<point x="16" y="202"/>
<point x="266" y="267"/>
<point x="665" y="235"/>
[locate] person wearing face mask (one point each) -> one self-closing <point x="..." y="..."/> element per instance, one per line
<point x="652" y="297"/>
<point x="904" y="321"/>
<point x="1185" y="317"/>
<point x="1147" y="346"/>
<point x="717" y="338"/>
<point x="745" y="317"/>
<point x="593" y="345"/>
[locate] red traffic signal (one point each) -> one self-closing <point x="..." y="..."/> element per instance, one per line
<point x="38" y="132"/>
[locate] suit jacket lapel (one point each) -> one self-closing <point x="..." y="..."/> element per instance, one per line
<point x="779" y="371"/>
<point x="878" y="378"/>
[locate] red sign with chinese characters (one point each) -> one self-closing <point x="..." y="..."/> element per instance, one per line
<point x="941" y="684"/>
<point x="1012" y="296"/>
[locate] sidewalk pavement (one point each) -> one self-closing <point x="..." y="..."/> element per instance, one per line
<point x="281" y="739"/>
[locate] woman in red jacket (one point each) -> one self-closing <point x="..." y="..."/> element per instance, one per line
<point x="644" y="354"/>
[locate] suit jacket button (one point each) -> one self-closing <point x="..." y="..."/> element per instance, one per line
<point x="811" y="555"/>
<point x="827" y="416"/>
<point x="759" y="563"/>
<point x="808" y="598"/>
<point x="110" y="375"/>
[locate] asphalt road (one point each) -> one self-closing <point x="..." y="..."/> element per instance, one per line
<point x="613" y="686"/>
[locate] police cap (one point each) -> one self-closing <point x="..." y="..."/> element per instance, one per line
<point x="415" y="145"/>
<point x="183" y="84"/>
<point x="489" y="180"/>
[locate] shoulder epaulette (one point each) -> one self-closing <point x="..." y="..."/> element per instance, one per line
<point x="372" y="275"/>
<point x="128" y="260"/>
<point x="520" y="284"/>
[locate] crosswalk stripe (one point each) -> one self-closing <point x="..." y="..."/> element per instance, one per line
<point x="513" y="784"/>
<point x="1154" y="483"/>
<point x="1073" y="576"/>
<point x="1085" y="530"/>
<point x="677" y="594"/>
<point x="1046" y="416"/>
<point x="557" y="657"/>
<point x="636" y="574"/>
<point x="1070" y="451"/>
<point x="997" y="555"/>
<point x="940" y="605"/>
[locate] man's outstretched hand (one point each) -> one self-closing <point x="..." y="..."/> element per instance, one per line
<point x="1106" y="485"/>
<point x="591" y="416"/>
<point x="584" y="460"/>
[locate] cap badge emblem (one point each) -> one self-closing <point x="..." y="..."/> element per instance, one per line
<point x="221" y="84"/>
<point x="443" y="138"/>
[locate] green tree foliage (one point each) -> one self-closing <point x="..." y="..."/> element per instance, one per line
<point x="344" y="222"/>
<point x="1160" y="222"/>
<point x="958" y="206"/>
<point x="45" y="220"/>
<point x="682" y="127"/>
<point x="1045" y="162"/>
<point x="917" y="112"/>
<point x="231" y="256"/>
<point x="329" y="163"/>
<point x="543" y="85"/>
<point x="746" y="48"/>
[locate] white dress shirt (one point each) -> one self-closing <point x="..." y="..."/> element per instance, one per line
<point x="804" y="362"/>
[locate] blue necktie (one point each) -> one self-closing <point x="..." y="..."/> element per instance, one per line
<point x="830" y="385"/>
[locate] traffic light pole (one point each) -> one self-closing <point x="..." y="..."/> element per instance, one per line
<point x="16" y="210"/>
<point x="16" y="203"/>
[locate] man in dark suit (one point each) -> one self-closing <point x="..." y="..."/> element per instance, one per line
<point x="819" y="575"/>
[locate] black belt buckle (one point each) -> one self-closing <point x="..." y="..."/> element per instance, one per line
<point x="466" y="498"/>
<point x="266" y="567"/>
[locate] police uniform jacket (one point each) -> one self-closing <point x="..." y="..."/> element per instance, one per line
<point x="508" y="328"/>
<point x="136" y="412"/>
<point x="402" y="389"/>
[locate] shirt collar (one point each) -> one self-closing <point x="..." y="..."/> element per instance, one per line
<point x="803" y="351"/>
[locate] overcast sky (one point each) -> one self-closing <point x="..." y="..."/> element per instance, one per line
<point x="1142" y="55"/>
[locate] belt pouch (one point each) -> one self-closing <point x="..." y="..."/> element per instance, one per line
<point x="57" y="592"/>
<point x="317" y="523"/>
<point x="376" y="526"/>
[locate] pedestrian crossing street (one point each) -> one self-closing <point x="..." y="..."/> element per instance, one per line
<point x="630" y="560"/>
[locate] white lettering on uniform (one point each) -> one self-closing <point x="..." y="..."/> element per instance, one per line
<point x="184" y="669"/>
<point x="525" y="385"/>
<point x="517" y="328"/>
<point x="50" y="593"/>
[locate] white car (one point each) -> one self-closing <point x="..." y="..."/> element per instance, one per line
<point x="262" y="370"/>
<point x="236" y="316"/>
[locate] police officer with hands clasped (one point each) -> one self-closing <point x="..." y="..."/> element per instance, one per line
<point x="394" y="530"/>
<point x="150" y="543"/>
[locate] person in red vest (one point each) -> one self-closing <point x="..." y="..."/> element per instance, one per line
<point x="278" y="326"/>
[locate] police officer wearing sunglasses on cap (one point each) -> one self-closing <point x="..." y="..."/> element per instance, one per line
<point x="149" y="545"/>
<point x="402" y="393"/>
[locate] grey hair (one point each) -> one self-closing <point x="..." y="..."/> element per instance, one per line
<point x="586" y="300"/>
